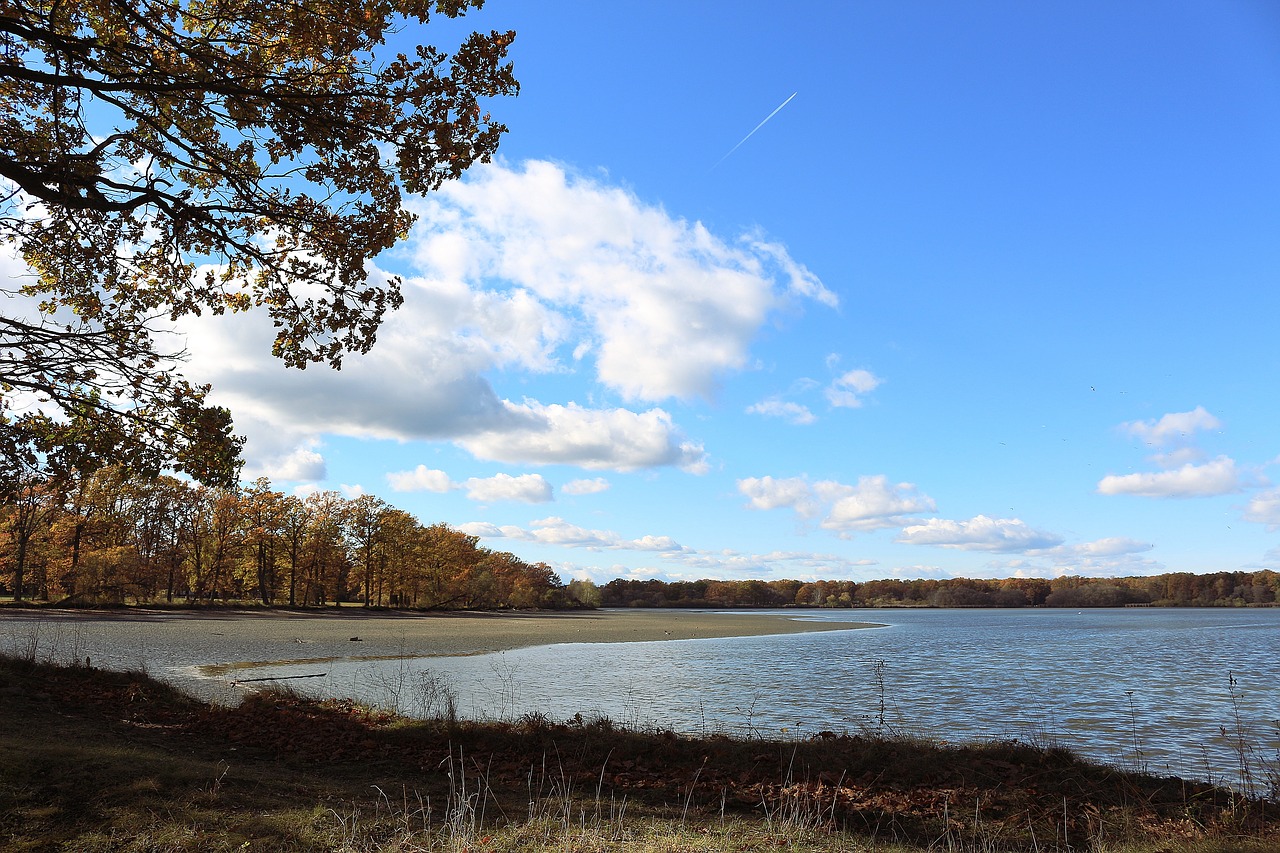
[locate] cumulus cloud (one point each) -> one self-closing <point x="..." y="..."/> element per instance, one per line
<point x="616" y="439"/>
<point x="301" y="466"/>
<point x="775" y="408"/>
<point x="525" y="488"/>
<point x="1102" y="558"/>
<point x="667" y="306"/>
<point x="517" y="272"/>
<point x="556" y="531"/>
<point x="487" y="530"/>
<point x="1218" y="477"/>
<point x="1264" y="508"/>
<point x="980" y="533"/>
<point x="800" y="565"/>
<point x="873" y="504"/>
<point x="919" y="572"/>
<point x="1112" y="546"/>
<point x="775" y="493"/>
<point x="585" y="487"/>
<point x="1173" y="428"/>
<point x="847" y="391"/>
<point x="421" y="479"/>
<point x="685" y="562"/>
<point x="1178" y="457"/>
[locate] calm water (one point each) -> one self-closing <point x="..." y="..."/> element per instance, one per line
<point x="1138" y="688"/>
<point x="1165" y="690"/>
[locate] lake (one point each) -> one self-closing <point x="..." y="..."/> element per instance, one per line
<point x="1190" y="692"/>
<point x="1170" y="691"/>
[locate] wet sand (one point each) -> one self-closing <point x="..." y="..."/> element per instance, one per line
<point x="223" y="639"/>
<point x="477" y="633"/>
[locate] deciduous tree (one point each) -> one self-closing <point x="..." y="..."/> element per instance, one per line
<point x="30" y="507"/>
<point x="365" y="515"/>
<point x="165" y="158"/>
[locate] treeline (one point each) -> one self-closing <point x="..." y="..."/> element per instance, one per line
<point x="1180" y="589"/>
<point x="109" y="537"/>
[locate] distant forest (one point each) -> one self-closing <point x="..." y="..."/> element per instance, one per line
<point x="113" y="538"/>
<point x="1179" y="589"/>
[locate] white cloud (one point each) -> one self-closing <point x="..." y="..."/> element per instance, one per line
<point x="14" y="273"/>
<point x="872" y="504"/>
<point x="487" y="530"/>
<point x="772" y="493"/>
<point x="302" y="465"/>
<point x="800" y="279"/>
<point x="1111" y="557"/>
<point x="585" y="487"/>
<point x="556" y="531"/>
<point x="800" y="565"/>
<point x="775" y="408"/>
<point x="1264" y="508"/>
<point x="668" y="306"/>
<point x="1111" y="547"/>
<point x="514" y="272"/>
<point x="980" y="533"/>
<point x="847" y="391"/>
<point x="1219" y="477"/>
<point x="525" y="488"/>
<point x="1173" y="428"/>
<point x="421" y="479"/>
<point x="919" y="572"/>
<point x="617" y="439"/>
<point x="305" y="489"/>
<point x="1178" y="457"/>
<point x="351" y="492"/>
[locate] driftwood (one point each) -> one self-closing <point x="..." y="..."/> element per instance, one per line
<point x="279" y="678"/>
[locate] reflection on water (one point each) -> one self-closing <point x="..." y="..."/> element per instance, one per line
<point x="1171" y="691"/>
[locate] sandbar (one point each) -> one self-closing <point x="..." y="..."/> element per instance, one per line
<point x="479" y="633"/>
<point x="228" y="638"/>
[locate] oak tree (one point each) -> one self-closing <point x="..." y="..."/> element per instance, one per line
<point x="167" y="158"/>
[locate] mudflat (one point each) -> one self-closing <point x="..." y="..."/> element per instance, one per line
<point x="230" y="637"/>
<point x="475" y="633"/>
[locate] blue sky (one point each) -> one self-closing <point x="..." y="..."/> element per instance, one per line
<point x="994" y="293"/>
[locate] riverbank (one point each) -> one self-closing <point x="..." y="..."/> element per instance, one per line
<point x="104" y="761"/>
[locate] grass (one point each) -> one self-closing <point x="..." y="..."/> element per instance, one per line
<point x="101" y="761"/>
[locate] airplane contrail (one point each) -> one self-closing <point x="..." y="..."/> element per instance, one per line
<point x="757" y="127"/>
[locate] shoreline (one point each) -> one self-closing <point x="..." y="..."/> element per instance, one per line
<point x="229" y="637"/>
<point x="96" y="753"/>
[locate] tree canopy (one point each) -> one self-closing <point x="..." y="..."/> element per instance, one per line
<point x="114" y="537"/>
<point x="166" y="158"/>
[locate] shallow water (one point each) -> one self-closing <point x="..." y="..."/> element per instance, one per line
<point x="1189" y="692"/>
<point x="1169" y="691"/>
